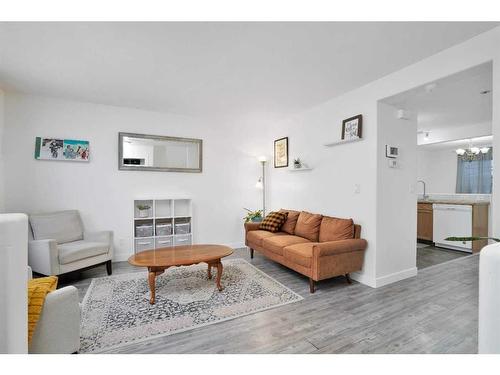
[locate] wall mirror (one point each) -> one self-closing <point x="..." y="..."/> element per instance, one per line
<point x="142" y="152"/>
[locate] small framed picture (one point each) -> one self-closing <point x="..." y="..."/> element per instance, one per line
<point x="281" y="153"/>
<point x="351" y="127"/>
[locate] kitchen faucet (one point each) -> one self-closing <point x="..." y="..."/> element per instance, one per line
<point x="425" y="196"/>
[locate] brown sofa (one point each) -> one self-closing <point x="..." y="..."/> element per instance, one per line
<point x="317" y="246"/>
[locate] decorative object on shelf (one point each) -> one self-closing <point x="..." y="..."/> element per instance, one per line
<point x="261" y="183"/>
<point x="297" y="163"/>
<point x="281" y="153"/>
<point x="143" y="152"/>
<point x="471" y="153"/>
<point x="143" y="210"/>
<point x="61" y="149"/>
<point x="351" y="127"/>
<point x="253" y="216"/>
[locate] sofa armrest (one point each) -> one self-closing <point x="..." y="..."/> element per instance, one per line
<point x="43" y="256"/>
<point x="58" y="330"/>
<point x="251" y="226"/>
<point x="339" y="247"/>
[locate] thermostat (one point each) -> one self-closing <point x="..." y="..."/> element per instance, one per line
<point x="391" y="151"/>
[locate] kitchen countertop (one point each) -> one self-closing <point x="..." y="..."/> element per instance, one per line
<point x="450" y="201"/>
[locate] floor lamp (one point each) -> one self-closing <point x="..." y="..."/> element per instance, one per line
<point x="261" y="184"/>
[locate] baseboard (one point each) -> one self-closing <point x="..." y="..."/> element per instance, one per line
<point x="364" y="279"/>
<point x="396" y="276"/>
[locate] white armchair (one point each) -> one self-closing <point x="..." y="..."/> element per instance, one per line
<point x="58" y="244"/>
<point x="58" y="330"/>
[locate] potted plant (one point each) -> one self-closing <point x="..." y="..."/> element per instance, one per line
<point x="297" y="163"/>
<point x="143" y="210"/>
<point x="253" y="216"/>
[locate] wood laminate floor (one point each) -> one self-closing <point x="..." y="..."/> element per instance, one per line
<point x="431" y="255"/>
<point x="434" y="312"/>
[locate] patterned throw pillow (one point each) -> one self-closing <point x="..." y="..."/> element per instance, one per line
<point x="273" y="221"/>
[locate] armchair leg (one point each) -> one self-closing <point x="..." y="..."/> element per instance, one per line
<point x="348" y="278"/>
<point x="251" y="253"/>
<point x="109" y="268"/>
<point x="312" y="285"/>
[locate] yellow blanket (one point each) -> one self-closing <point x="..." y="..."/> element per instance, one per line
<point x="37" y="291"/>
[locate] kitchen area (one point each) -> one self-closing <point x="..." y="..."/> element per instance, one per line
<point x="454" y="163"/>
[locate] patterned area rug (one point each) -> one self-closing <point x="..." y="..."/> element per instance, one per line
<point x="116" y="310"/>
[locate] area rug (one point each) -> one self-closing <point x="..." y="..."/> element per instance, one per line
<point x="116" y="310"/>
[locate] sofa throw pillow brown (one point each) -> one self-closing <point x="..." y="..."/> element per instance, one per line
<point x="308" y="225"/>
<point x="273" y="221"/>
<point x="291" y="221"/>
<point x="335" y="229"/>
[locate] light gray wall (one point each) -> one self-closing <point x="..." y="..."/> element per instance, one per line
<point x="105" y="195"/>
<point x="438" y="169"/>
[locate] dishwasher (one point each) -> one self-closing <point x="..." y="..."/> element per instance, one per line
<point x="452" y="220"/>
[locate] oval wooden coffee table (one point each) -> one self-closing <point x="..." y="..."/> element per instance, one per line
<point x="158" y="260"/>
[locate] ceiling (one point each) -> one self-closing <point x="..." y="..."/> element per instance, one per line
<point x="452" y="101"/>
<point x="214" y="69"/>
<point x="485" y="141"/>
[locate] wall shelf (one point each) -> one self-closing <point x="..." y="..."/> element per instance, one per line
<point x="292" y="169"/>
<point x="341" y="142"/>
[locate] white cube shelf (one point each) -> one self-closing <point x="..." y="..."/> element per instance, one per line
<point x="171" y="221"/>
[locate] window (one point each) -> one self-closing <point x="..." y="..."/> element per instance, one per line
<point x="474" y="176"/>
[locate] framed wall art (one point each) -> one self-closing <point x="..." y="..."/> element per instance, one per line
<point x="61" y="149"/>
<point x="281" y="153"/>
<point x="351" y="127"/>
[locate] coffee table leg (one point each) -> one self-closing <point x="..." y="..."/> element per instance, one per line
<point x="209" y="271"/>
<point x="152" y="286"/>
<point x="219" y="275"/>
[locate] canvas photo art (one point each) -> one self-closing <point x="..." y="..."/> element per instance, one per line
<point x="61" y="149"/>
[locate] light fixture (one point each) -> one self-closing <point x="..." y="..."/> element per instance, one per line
<point x="261" y="183"/>
<point x="470" y="153"/>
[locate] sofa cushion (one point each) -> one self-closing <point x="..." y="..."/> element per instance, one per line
<point x="273" y="221"/>
<point x="291" y="221"/>
<point x="256" y="236"/>
<point x="62" y="226"/>
<point x="300" y="254"/>
<point x="77" y="250"/>
<point x="276" y="244"/>
<point x="335" y="229"/>
<point x="308" y="226"/>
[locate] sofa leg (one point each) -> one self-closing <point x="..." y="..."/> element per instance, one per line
<point x="109" y="268"/>
<point x="251" y="253"/>
<point x="312" y="285"/>
<point x="348" y="278"/>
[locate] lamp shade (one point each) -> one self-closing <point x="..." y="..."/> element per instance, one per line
<point x="262" y="159"/>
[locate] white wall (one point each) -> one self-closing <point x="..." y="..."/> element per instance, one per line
<point x="2" y="177"/>
<point x="396" y="200"/>
<point x="438" y="168"/>
<point x="103" y="194"/>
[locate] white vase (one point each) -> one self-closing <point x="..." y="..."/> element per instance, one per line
<point x="489" y="300"/>
<point x="144" y="213"/>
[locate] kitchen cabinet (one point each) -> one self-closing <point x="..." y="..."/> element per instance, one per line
<point x="425" y="222"/>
